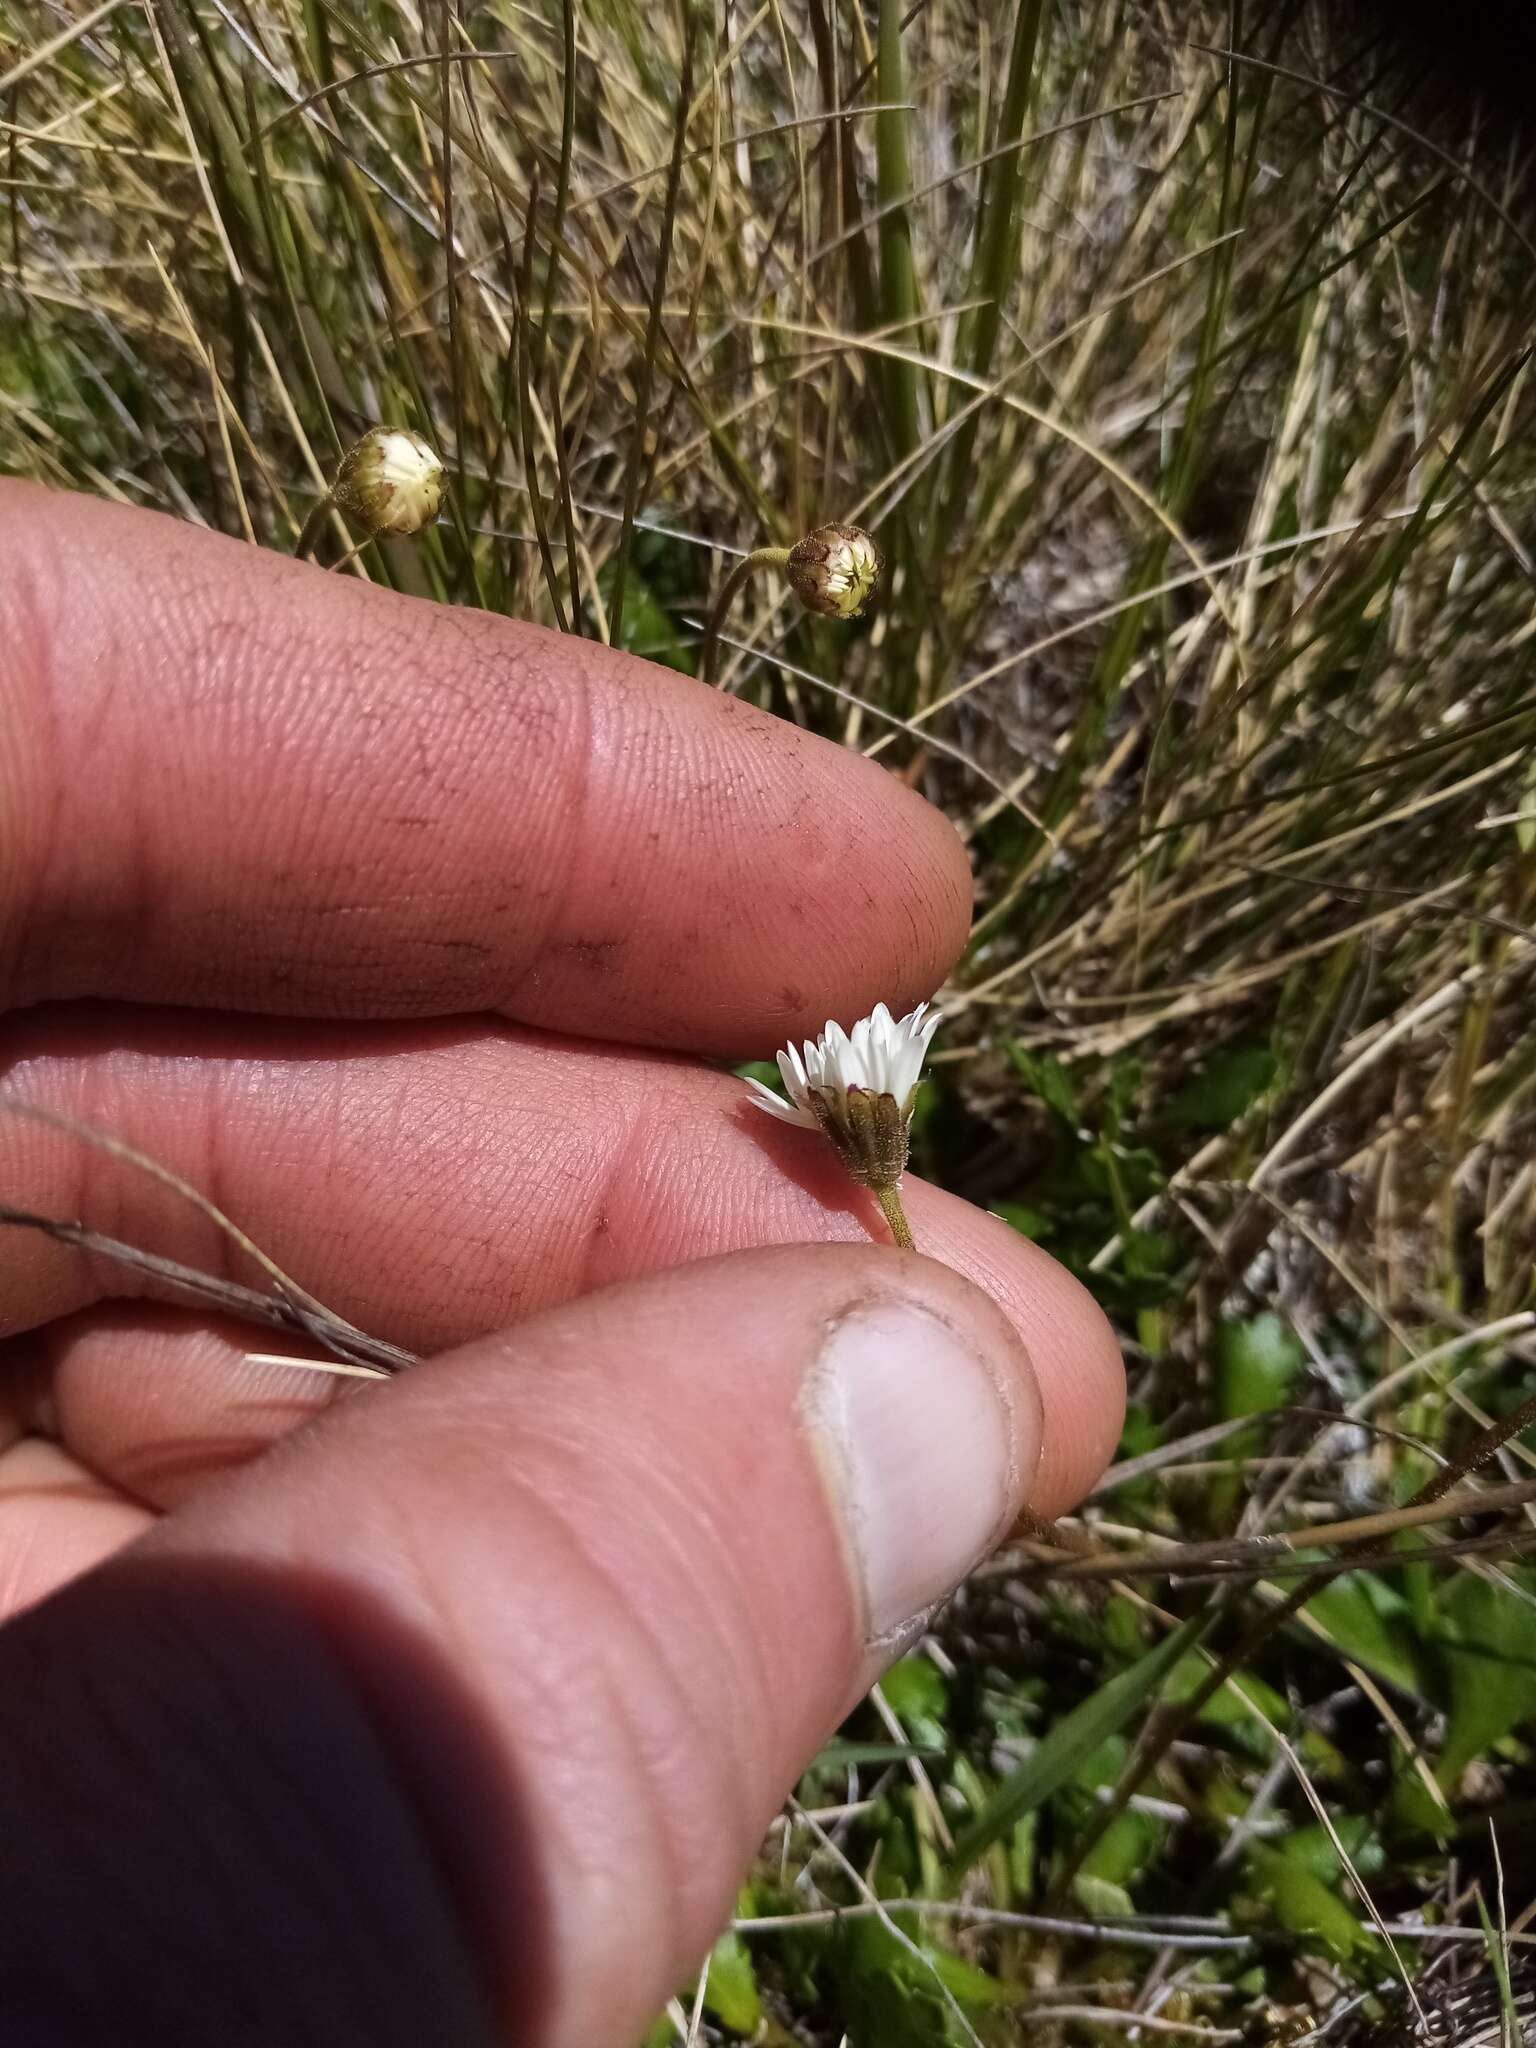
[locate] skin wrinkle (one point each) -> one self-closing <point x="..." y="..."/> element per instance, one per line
<point x="643" y="1204"/>
<point x="711" y="1578"/>
<point x="392" y="1121"/>
<point x="607" y="1188"/>
<point x="632" y="750"/>
<point x="133" y="887"/>
<point x="564" y="735"/>
<point x="539" y="1172"/>
<point x="694" y="1533"/>
<point x="610" y="1895"/>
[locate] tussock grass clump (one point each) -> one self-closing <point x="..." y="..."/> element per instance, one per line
<point x="1189" y="395"/>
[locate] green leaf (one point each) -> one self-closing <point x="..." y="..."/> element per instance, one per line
<point x="1031" y="1223"/>
<point x="731" y="1991"/>
<point x="1048" y="1079"/>
<point x="1315" y="1847"/>
<point x="1100" y="1898"/>
<point x="1364" y="1620"/>
<point x="1228" y="1708"/>
<point x="1124" y="1850"/>
<point x="1072" y="1740"/>
<point x="1228" y="1085"/>
<point x="1257" y="1361"/>
<point x="915" y="1690"/>
<point x="891" y="1998"/>
<point x="1303" y="1904"/>
<point x="760" y="1070"/>
<point x="839" y="1755"/>
<point x="1490" y="1668"/>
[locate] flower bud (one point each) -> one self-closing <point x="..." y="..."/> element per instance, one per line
<point x="834" y="570"/>
<point x="391" y="481"/>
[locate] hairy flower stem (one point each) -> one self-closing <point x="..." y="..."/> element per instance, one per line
<point x="760" y="558"/>
<point x="313" y="525"/>
<point x="896" y="1216"/>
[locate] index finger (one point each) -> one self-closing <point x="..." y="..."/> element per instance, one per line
<point x="229" y="779"/>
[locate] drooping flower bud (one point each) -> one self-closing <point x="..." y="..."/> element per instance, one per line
<point x="391" y="481"/>
<point x="834" y="570"/>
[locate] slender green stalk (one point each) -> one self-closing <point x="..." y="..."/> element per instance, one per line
<point x="562" y="178"/>
<point x="647" y="365"/>
<point x="567" y="501"/>
<point x="309" y="537"/>
<point x="996" y="258"/>
<point x="835" y="148"/>
<point x="898" y="278"/>
<point x="760" y="558"/>
<point x="451" y="293"/>
<point x="525" y="408"/>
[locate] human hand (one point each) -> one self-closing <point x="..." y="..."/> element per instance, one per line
<point x="455" y="1714"/>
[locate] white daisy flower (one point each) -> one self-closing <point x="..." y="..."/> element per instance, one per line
<point x="880" y="1054"/>
<point x="859" y="1088"/>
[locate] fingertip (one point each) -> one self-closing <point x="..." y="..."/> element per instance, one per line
<point x="925" y="1410"/>
<point x="829" y="884"/>
<point x="1074" y="1350"/>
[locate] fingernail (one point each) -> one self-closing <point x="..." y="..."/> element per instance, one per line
<point x="915" y="1435"/>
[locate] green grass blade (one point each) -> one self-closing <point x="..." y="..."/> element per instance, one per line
<point x="1074" y="1737"/>
<point x="647" y="366"/>
<point x="898" y="278"/>
<point x="996" y="259"/>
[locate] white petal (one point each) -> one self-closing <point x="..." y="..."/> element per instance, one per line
<point x="793" y="1076"/>
<point x="786" y="1112"/>
<point x="916" y="1035"/>
<point x="839" y="1059"/>
<point x="815" y="1064"/>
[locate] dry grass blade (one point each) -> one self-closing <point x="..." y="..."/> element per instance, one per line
<point x="228" y="1297"/>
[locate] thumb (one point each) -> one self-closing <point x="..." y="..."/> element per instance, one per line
<point x="459" y="1716"/>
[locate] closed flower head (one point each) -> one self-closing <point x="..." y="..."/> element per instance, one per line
<point x="391" y="481"/>
<point x="834" y="570"/>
